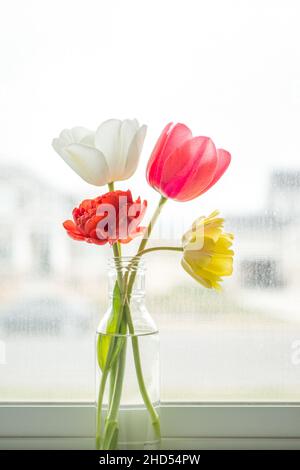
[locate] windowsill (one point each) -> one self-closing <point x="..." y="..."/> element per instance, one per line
<point x="184" y="426"/>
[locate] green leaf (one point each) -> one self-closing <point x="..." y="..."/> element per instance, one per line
<point x="108" y="346"/>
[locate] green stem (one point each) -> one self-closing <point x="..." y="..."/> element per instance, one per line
<point x="99" y="407"/>
<point x="140" y="377"/>
<point x="145" y="238"/>
<point x="134" y="339"/>
<point x="152" y="222"/>
<point x="160" y="248"/>
<point x="111" y="425"/>
<point x="103" y="381"/>
<point x="105" y="372"/>
<point x="117" y="253"/>
<point x="118" y="384"/>
<point x="112" y="378"/>
<point x="118" y="370"/>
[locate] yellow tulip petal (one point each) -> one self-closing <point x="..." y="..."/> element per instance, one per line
<point x="207" y="253"/>
<point x="195" y="257"/>
<point x="220" y="265"/>
<point x="191" y="272"/>
<point x="222" y="247"/>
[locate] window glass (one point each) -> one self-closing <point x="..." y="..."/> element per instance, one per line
<point x="229" y="70"/>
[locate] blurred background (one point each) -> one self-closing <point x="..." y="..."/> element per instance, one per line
<point x="228" y="69"/>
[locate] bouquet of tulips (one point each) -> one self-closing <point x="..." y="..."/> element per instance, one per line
<point x="181" y="167"/>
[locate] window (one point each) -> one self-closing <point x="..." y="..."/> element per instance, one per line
<point x="262" y="273"/>
<point x="5" y="249"/>
<point x="225" y="77"/>
<point x="41" y="252"/>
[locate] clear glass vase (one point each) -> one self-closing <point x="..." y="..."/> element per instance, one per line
<point x="127" y="346"/>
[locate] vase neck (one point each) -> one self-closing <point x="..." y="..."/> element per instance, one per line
<point x="130" y="274"/>
<point x="120" y="271"/>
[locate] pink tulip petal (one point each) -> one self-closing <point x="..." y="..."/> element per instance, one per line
<point x="156" y="155"/>
<point x="177" y="135"/>
<point x="189" y="169"/>
<point x="170" y="139"/>
<point x="224" y="159"/>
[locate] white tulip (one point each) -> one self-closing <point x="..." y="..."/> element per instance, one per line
<point x="109" y="154"/>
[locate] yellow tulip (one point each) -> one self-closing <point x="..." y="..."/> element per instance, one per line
<point x="207" y="256"/>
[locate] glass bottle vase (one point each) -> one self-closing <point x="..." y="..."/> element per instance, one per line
<point x="127" y="345"/>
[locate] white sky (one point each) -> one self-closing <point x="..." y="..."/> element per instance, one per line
<point x="228" y="69"/>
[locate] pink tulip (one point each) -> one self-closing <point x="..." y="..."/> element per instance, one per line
<point x="182" y="167"/>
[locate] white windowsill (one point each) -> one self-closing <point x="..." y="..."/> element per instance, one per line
<point x="184" y="426"/>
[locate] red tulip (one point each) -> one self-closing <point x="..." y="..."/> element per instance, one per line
<point x="109" y="218"/>
<point x="182" y="167"/>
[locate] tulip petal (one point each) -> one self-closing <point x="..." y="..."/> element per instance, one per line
<point x="107" y="141"/>
<point x="88" y="162"/>
<point x="176" y="137"/>
<point x="128" y="131"/>
<point x="88" y="139"/>
<point x="224" y="159"/>
<point x="113" y="139"/>
<point x="70" y="226"/>
<point x="96" y="241"/>
<point x="134" y="152"/>
<point x="214" y="259"/>
<point x="72" y="230"/>
<point x="74" y="135"/>
<point x="156" y="156"/>
<point x="81" y="133"/>
<point x="222" y="247"/>
<point x="75" y="236"/>
<point x="170" y="139"/>
<point x="211" y="278"/>
<point x="206" y="278"/>
<point x="197" y="258"/>
<point x="220" y="265"/>
<point x="106" y="151"/>
<point x="186" y="266"/>
<point x="189" y="169"/>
